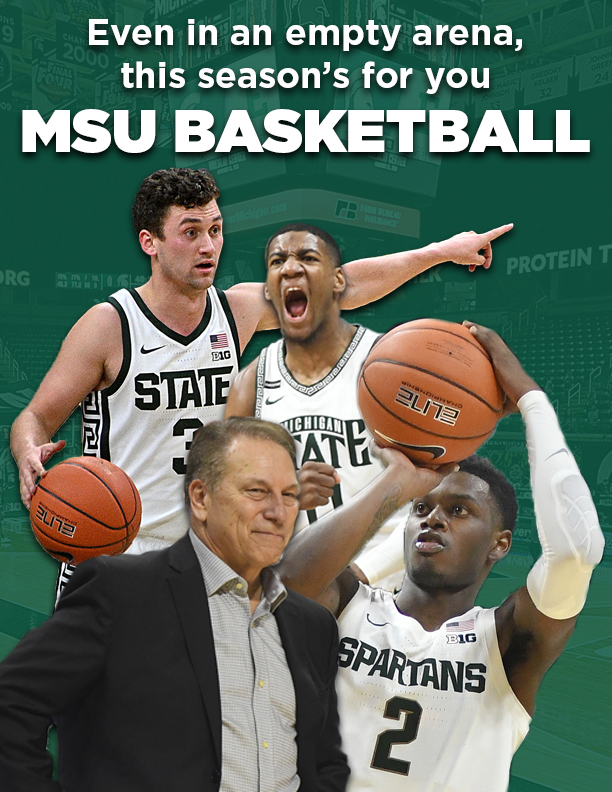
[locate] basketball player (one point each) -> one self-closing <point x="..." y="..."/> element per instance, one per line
<point x="307" y="381"/>
<point x="153" y="364"/>
<point x="436" y="694"/>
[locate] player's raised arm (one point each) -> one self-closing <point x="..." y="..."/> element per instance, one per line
<point x="314" y="563"/>
<point x="535" y="622"/>
<point x="370" y="279"/>
<point x="80" y="366"/>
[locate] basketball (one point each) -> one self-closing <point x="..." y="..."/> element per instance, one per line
<point x="428" y="389"/>
<point x="85" y="507"/>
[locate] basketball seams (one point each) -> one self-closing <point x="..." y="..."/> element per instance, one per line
<point x="420" y="428"/>
<point x="101" y="480"/>
<point x="67" y="547"/>
<point x="85" y="504"/>
<point x="469" y="340"/>
<point x="433" y="374"/>
<point x="80" y="511"/>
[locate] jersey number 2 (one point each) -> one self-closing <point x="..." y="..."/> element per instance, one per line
<point x="382" y="760"/>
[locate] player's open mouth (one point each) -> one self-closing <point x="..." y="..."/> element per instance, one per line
<point x="296" y="302"/>
<point x="205" y="266"/>
<point x="429" y="543"/>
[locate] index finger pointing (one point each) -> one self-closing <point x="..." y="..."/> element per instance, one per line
<point x="488" y="236"/>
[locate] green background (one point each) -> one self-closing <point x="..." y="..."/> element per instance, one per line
<point x="68" y="243"/>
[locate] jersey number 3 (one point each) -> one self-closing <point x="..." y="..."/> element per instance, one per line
<point x="382" y="760"/>
<point x="180" y="430"/>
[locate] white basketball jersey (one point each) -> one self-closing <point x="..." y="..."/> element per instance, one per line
<point x="168" y="386"/>
<point x="424" y="711"/>
<point x="323" y="419"/>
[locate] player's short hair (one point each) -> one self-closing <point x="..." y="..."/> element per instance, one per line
<point x="171" y="187"/>
<point x="502" y="491"/>
<point x="208" y="453"/>
<point x="330" y="242"/>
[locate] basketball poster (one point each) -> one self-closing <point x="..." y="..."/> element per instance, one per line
<point x="544" y="163"/>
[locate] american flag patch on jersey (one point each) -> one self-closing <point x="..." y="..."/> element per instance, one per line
<point x="218" y="341"/>
<point x="460" y="626"/>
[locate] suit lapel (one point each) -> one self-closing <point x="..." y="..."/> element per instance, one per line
<point x="189" y="594"/>
<point x="293" y="637"/>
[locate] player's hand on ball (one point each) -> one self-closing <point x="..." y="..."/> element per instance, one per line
<point x="317" y="481"/>
<point x="513" y="379"/>
<point x="472" y="249"/>
<point x="32" y="467"/>
<point x="415" y="480"/>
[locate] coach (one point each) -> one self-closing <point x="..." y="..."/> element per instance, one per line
<point x="189" y="668"/>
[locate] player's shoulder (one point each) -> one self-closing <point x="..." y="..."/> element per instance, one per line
<point x="99" y="321"/>
<point x="363" y="597"/>
<point x="310" y="610"/>
<point x="244" y="296"/>
<point x="242" y="395"/>
<point x="369" y="337"/>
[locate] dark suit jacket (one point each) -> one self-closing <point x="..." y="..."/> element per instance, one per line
<point x="126" y="668"/>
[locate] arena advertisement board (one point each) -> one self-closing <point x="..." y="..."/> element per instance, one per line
<point x="69" y="243"/>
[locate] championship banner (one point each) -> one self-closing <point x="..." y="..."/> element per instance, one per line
<point x="594" y="69"/>
<point x="501" y="96"/>
<point x="549" y="82"/>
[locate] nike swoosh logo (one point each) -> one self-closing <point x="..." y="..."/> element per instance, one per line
<point x="560" y="451"/>
<point x="144" y="351"/>
<point x="375" y="623"/>
<point x="273" y="401"/>
<point x="435" y="451"/>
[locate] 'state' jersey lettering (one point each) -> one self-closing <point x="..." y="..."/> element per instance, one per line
<point x="323" y="419"/>
<point x="424" y="711"/>
<point x="169" y="385"/>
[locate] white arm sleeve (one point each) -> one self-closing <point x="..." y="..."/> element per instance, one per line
<point x="568" y="528"/>
<point x="387" y="557"/>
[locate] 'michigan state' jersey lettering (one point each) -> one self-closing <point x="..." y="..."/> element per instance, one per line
<point x="323" y="418"/>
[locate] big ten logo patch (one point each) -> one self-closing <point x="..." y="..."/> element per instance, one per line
<point x="221" y="354"/>
<point x="460" y="638"/>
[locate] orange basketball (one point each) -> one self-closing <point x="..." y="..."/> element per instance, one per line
<point x="85" y="507"/>
<point x="428" y="389"/>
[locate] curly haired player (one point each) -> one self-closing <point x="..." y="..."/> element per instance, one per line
<point x="154" y="363"/>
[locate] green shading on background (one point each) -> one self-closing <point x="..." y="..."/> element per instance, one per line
<point x="68" y="243"/>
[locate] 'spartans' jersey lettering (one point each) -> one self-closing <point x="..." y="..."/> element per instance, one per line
<point x="324" y="418"/>
<point x="421" y="712"/>
<point x="169" y="385"/>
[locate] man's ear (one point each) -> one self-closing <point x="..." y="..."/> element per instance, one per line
<point x="339" y="281"/>
<point x="502" y="546"/>
<point x="198" y="500"/>
<point x="266" y="292"/>
<point x="147" y="242"/>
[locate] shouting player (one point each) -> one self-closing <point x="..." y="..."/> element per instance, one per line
<point x="433" y="691"/>
<point x="154" y="363"/>
<point x="307" y="381"/>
